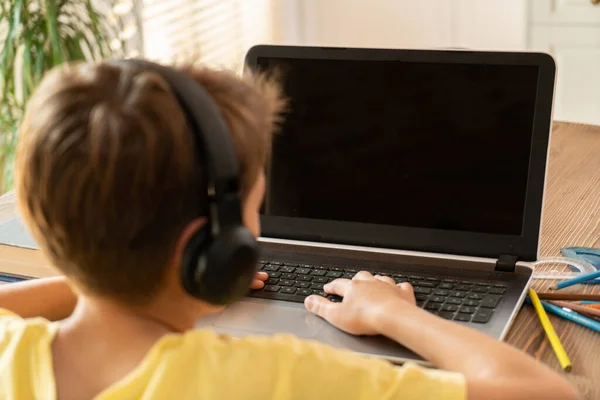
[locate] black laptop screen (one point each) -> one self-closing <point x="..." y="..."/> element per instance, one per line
<point x="411" y="144"/>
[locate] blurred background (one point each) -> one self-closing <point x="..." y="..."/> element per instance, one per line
<point x="35" y="35"/>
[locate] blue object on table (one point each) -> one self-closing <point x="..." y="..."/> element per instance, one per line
<point x="578" y="279"/>
<point x="10" y="278"/>
<point x="569" y="315"/>
<point x="589" y="302"/>
<point x="587" y="254"/>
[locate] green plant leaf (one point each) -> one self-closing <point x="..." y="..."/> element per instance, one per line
<point x="52" y="26"/>
<point x="95" y="25"/>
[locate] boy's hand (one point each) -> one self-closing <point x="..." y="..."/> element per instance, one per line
<point x="365" y="298"/>
<point x="259" y="280"/>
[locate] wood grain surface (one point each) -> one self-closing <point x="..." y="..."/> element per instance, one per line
<point x="571" y="218"/>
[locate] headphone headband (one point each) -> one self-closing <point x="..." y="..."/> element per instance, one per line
<point x="220" y="259"/>
<point x="211" y="134"/>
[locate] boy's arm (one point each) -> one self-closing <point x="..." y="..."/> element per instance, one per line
<point x="493" y="370"/>
<point x="50" y="298"/>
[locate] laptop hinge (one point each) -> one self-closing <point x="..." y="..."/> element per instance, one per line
<point x="506" y="263"/>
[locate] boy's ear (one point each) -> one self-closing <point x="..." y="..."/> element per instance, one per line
<point x="190" y="229"/>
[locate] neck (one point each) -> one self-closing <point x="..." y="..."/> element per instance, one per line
<point x="163" y="315"/>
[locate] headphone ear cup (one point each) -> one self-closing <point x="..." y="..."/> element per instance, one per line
<point x="232" y="260"/>
<point x="191" y="257"/>
<point x="220" y="270"/>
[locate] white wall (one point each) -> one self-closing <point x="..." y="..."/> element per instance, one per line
<point x="480" y="24"/>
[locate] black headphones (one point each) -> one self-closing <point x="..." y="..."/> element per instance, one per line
<point x="220" y="260"/>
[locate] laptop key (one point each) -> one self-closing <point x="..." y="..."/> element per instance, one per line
<point x="288" y="290"/>
<point x="437" y="299"/>
<point x="482" y="316"/>
<point x="334" y="299"/>
<point x="348" y="276"/>
<point x="302" y="271"/>
<point x="426" y="284"/>
<point x="433" y="306"/>
<point x="499" y="285"/>
<point x="317" y="286"/>
<point x="497" y="290"/>
<point x="271" y="281"/>
<point x="336" y="269"/>
<point x="274" y="274"/>
<point x="440" y="292"/>
<point x="288" y="276"/>
<point x="462" y="287"/>
<point x="462" y="317"/>
<point x="319" y="293"/>
<point x="475" y="296"/>
<point x="320" y="279"/>
<point x="271" y="288"/>
<point x="490" y="300"/>
<point x="424" y="290"/>
<point x="467" y="310"/>
<point x="285" y="282"/>
<point x="452" y="300"/>
<point x="421" y="296"/>
<point x="446" y="285"/>
<point x="449" y="307"/>
<point x="458" y="294"/>
<point x="304" y="292"/>
<point x="320" y="267"/>
<point x="305" y="278"/>
<point x="271" y="268"/>
<point x="481" y="289"/>
<point x="446" y="314"/>
<point x="334" y="274"/>
<point x="287" y="269"/>
<point x="318" y="272"/>
<point x="300" y="284"/>
<point x="472" y="303"/>
<point x="279" y="296"/>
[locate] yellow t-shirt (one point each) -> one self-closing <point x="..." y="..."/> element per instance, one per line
<point x="203" y="365"/>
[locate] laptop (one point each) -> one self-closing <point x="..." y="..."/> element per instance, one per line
<point x="426" y="166"/>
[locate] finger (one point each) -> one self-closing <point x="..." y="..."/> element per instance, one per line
<point x="257" y="284"/>
<point x="320" y="306"/>
<point x="407" y="287"/>
<point x="385" y="279"/>
<point x="263" y="276"/>
<point x="338" y="286"/>
<point x="363" y="275"/>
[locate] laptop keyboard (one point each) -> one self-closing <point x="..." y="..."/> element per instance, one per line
<point x="454" y="299"/>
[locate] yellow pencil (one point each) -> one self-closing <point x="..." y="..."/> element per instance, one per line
<point x="561" y="354"/>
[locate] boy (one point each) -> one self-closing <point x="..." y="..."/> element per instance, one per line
<point x="110" y="186"/>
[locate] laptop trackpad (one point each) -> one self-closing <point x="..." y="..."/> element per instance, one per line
<point x="270" y="317"/>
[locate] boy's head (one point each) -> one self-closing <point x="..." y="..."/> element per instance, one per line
<point x="107" y="176"/>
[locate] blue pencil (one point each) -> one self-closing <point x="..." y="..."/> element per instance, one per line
<point x="578" y="279"/>
<point x="570" y="315"/>
<point x="589" y="302"/>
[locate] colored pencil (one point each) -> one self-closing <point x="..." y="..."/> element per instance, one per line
<point x="593" y="306"/>
<point x="557" y="346"/>
<point x="572" y="316"/>
<point x="568" y="296"/>
<point x="589" y="302"/>
<point x="590" y="312"/>
<point x="578" y="279"/>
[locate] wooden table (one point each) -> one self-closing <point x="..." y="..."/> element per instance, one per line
<point x="571" y="218"/>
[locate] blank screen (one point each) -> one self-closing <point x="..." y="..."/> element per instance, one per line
<point x="430" y="145"/>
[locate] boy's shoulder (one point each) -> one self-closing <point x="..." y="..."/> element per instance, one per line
<point x="25" y="355"/>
